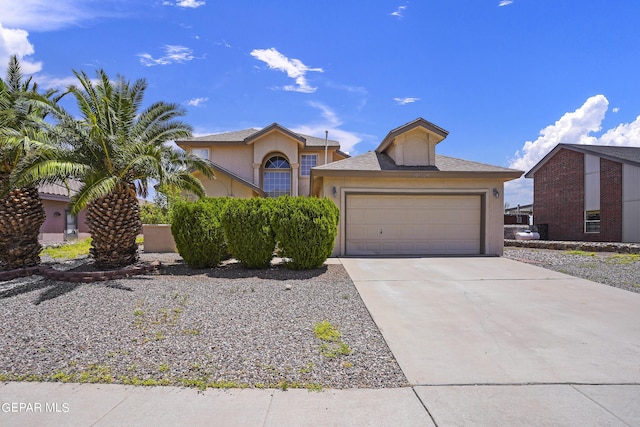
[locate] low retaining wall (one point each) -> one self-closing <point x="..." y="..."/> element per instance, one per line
<point x="79" y="276"/>
<point x="628" y="248"/>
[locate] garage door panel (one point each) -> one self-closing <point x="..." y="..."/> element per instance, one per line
<point x="413" y="224"/>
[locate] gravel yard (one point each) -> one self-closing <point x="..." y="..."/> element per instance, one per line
<point x="618" y="270"/>
<point x="224" y="327"/>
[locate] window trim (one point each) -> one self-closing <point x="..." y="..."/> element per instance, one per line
<point x="302" y="164"/>
<point x="193" y="150"/>
<point x="276" y="170"/>
<point x="592" y="221"/>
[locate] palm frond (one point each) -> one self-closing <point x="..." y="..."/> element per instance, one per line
<point x="91" y="191"/>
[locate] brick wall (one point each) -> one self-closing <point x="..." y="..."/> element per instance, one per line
<point x="610" y="201"/>
<point x="558" y="193"/>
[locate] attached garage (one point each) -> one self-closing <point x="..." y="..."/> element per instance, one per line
<point x="404" y="199"/>
<point x="413" y="224"/>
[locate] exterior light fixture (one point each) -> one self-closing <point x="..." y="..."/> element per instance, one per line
<point x="496" y="193"/>
<point x="335" y="191"/>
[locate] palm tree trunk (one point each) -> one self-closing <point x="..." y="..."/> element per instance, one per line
<point x="114" y="223"/>
<point x="21" y="215"/>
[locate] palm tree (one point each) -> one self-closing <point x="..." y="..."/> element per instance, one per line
<point x="116" y="151"/>
<point x="22" y="131"/>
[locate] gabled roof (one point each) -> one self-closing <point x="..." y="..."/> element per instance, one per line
<point x="628" y="155"/>
<point x="273" y="127"/>
<point x="419" y="122"/>
<point x="247" y="136"/>
<point x="373" y="163"/>
<point x="217" y="168"/>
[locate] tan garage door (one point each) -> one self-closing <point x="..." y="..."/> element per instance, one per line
<point x="389" y="224"/>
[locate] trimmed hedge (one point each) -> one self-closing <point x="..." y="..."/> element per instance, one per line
<point x="305" y="229"/>
<point x="247" y="227"/>
<point x="198" y="233"/>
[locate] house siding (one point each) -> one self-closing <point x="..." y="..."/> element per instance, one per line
<point x="610" y="201"/>
<point x="558" y="192"/>
<point x="559" y="198"/>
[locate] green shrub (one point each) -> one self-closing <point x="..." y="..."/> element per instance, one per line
<point x="248" y="231"/>
<point x="160" y="211"/>
<point x="305" y="229"/>
<point x="198" y="233"/>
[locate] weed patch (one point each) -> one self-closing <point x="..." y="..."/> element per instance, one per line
<point x="332" y="345"/>
<point x="69" y="250"/>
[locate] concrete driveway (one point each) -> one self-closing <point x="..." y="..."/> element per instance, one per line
<point x="478" y="333"/>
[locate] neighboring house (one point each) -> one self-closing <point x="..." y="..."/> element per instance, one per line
<point x="60" y="225"/>
<point x="270" y="162"/>
<point x="519" y="215"/>
<point x="404" y="199"/>
<point x="588" y="193"/>
<point x="519" y="210"/>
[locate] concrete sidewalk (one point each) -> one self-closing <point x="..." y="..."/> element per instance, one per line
<point x="116" y="405"/>
<point x="54" y="404"/>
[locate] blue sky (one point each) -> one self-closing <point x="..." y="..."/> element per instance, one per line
<point x="508" y="79"/>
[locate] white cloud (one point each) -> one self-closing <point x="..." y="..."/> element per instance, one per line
<point x="60" y="83"/>
<point x="575" y="127"/>
<point x="197" y="102"/>
<point x="185" y="3"/>
<point x="331" y="122"/>
<point x="46" y="15"/>
<point x="399" y="12"/>
<point x="615" y="110"/>
<point x="405" y="101"/>
<point x="505" y="2"/>
<point x="16" y="42"/>
<point x="294" y="68"/>
<point x="172" y="54"/>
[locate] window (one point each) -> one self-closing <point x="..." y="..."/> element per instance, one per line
<point x="307" y="161"/>
<point x="592" y="222"/>
<point x="203" y="153"/>
<point x="277" y="177"/>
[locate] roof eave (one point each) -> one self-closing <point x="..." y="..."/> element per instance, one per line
<point x="506" y="175"/>
<point x="273" y="127"/>
<point x="419" y="122"/>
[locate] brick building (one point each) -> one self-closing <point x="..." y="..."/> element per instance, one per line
<point x="588" y="193"/>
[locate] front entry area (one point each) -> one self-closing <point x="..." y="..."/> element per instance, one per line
<point x="414" y="224"/>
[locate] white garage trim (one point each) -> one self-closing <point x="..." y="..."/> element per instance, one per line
<point x="413" y="222"/>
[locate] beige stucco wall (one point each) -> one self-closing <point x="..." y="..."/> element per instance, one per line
<point x="247" y="161"/>
<point x="158" y="238"/>
<point x="223" y="186"/>
<point x="494" y="218"/>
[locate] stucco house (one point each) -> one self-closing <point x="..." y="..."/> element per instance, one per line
<point x="405" y="199"/>
<point x="588" y="193"/>
<point x="266" y="162"/>
<point x="60" y="225"/>
<point x="401" y="199"/>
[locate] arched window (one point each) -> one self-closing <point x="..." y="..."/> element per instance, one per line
<point x="277" y="177"/>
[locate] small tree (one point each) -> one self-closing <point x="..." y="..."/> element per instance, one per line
<point x="161" y="210"/>
<point x="22" y="132"/>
